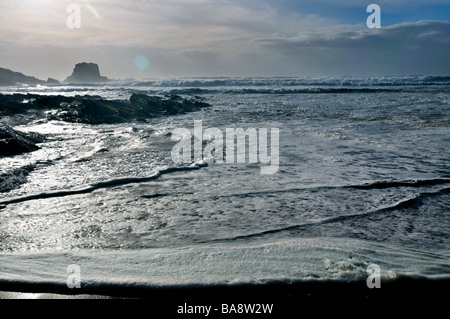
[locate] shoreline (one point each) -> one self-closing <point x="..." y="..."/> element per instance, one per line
<point x="407" y="288"/>
<point x="296" y="300"/>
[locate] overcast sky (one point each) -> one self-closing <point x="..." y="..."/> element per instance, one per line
<point x="226" y="37"/>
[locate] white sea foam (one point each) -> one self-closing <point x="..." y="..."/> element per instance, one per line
<point x="286" y="261"/>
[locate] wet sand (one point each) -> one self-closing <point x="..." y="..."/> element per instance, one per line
<point x="288" y="294"/>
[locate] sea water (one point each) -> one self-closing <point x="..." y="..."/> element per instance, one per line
<point x="363" y="178"/>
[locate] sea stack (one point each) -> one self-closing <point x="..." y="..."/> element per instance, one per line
<point x="52" y="81"/>
<point x="86" y="73"/>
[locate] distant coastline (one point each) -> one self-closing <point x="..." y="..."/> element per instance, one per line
<point x="83" y="73"/>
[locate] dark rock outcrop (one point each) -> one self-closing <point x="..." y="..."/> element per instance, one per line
<point x="96" y="110"/>
<point x="13" y="142"/>
<point x="140" y="107"/>
<point x="12" y="179"/>
<point x="10" y="78"/>
<point x="17" y="104"/>
<point x="86" y="73"/>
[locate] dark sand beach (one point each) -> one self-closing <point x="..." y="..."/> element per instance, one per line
<point x="401" y="291"/>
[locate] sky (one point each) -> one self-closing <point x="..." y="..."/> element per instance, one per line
<point x="195" y="38"/>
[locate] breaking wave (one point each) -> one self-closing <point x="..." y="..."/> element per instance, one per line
<point x="325" y="81"/>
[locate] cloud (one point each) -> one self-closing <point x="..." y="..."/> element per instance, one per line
<point x="390" y="3"/>
<point x="407" y="48"/>
<point x="169" y="23"/>
<point x="195" y="36"/>
<point x="400" y="36"/>
<point x="212" y="38"/>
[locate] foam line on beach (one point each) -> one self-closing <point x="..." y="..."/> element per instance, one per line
<point x="410" y="202"/>
<point x="100" y="185"/>
<point x="304" y="259"/>
<point x="412" y="183"/>
<point x="374" y="185"/>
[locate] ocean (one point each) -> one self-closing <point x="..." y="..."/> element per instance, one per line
<point x="363" y="179"/>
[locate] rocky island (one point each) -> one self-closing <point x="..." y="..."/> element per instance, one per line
<point x="86" y="73"/>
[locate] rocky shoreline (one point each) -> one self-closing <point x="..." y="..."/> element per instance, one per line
<point x="84" y="109"/>
<point x="14" y="142"/>
<point x="96" y="110"/>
